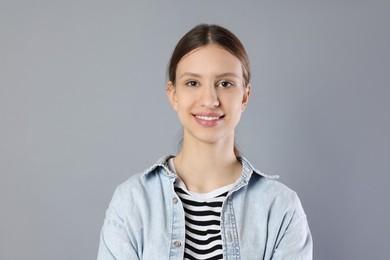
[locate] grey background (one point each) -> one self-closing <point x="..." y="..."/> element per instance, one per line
<point x="83" y="107"/>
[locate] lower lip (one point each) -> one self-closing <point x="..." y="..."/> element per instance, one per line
<point x="208" y="123"/>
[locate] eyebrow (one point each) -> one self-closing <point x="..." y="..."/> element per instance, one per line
<point x="231" y="74"/>
<point x="189" y="74"/>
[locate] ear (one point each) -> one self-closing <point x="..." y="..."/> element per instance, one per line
<point x="171" y="94"/>
<point x="247" y="93"/>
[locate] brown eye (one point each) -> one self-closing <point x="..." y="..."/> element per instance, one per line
<point x="192" y="83"/>
<point x="225" y="84"/>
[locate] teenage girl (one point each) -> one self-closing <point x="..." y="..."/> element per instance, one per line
<point x="207" y="202"/>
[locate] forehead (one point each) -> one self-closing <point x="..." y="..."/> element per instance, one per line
<point x="209" y="59"/>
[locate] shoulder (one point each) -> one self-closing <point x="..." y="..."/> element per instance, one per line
<point x="279" y="196"/>
<point x="270" y="191"/>
<point x="154" y="174"/>
<point x="143" y="186"/>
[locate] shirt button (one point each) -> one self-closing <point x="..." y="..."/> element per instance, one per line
<point x="177" y="243"/>
<point x="175" y="200"/>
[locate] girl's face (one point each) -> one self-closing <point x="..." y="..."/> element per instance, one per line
<point x="209" y="95"/>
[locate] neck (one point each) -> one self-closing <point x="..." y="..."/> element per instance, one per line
<point x="204" y="167"/>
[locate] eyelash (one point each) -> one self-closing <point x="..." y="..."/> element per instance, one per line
<point x="190" y="83"/>
<point x="193" y="83"/>
<point x="230" y="84"/>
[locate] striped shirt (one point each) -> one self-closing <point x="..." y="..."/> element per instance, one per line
<point x="202" y="220"/>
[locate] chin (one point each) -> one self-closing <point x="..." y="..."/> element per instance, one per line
<point x="211" y="138"/>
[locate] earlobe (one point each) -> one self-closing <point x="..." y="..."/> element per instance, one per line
<point x="171" y="94"/>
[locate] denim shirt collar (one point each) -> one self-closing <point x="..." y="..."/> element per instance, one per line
<point x="247" y="169"/>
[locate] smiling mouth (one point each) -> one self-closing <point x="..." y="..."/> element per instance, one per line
<point x="209" y="118"/>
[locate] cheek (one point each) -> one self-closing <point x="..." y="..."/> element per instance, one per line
<point x="233" y="102"/>
<point x="182" y="107"/>
<point x="183" y="101"/>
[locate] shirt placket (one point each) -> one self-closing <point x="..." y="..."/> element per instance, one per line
<point x="231" y="250"/>
<point x="178" y="228"/>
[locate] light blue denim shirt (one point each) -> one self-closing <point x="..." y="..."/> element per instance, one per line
<point x="261" y="219"/>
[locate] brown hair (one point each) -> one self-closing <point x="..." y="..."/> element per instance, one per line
<point x="204" y="34"/>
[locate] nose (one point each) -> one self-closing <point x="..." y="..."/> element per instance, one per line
<point x="209" y="97"/>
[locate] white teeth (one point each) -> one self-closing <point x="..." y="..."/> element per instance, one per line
<point x="209" y="118"/>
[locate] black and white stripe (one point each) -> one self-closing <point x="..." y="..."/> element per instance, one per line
<point x="203" y="222"/>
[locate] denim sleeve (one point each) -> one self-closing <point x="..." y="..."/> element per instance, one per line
<point x="114" y="243"/>
<point x="296" y="241"/>
<point x="114" y="238"/>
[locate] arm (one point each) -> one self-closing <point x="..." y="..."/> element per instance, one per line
<point x="296" y="241"/>
<point x="115" y="243"/>
<point x="114" y="238"/>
